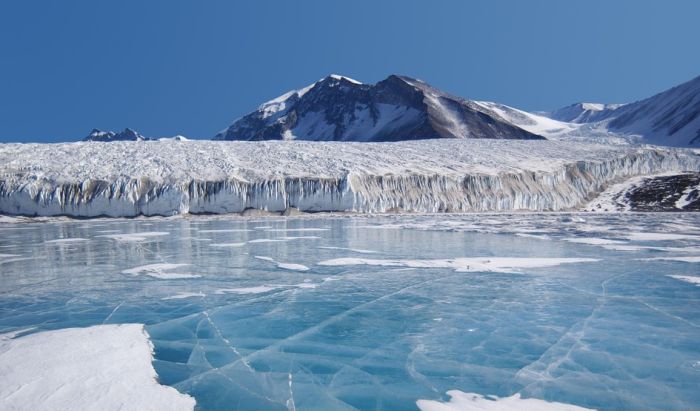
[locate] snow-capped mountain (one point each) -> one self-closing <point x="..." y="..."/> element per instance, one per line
<point x="107" y="136"/>
<point x="669" y="118"/>
<point x="338" y="108"/>
<point x="127" y="135"/>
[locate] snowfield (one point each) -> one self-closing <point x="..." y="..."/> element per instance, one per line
<point x="447" y="175"/>
<point x="104" y="367"/>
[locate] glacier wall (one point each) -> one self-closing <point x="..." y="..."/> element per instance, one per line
<point x="567" y="184"/>
<point x="560" y="190"/>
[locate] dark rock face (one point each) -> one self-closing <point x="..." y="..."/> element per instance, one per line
<point x="668" y="193"/>
<point x="107" y="136"/>
<point x="397" y="108"/>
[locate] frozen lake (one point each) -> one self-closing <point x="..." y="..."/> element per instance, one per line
<point x="391" y="313"/>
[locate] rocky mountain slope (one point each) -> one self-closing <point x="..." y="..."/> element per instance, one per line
<point x="670" y="118"/>
<point x="337" y="108"/>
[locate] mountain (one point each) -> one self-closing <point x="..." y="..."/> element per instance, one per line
<point x="127" y="135"/>
<point x="669" y="118"/>
<point x="337" y="108"/>
<point x="583" y="112"/>
<point x="108" y="136"/>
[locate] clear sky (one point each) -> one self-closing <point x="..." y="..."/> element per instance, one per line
<point x="191" y="67"/>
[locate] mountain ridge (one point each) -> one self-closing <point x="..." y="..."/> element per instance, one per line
<point x="337" y="108"/>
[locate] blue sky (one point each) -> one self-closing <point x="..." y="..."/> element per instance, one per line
<point x="190" y="67"/>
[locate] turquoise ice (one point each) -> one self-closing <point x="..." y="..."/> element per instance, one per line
<point x="322" y="313"/>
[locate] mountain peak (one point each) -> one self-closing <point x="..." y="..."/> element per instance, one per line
<point x="338" y="108"/>
<point x="339" y="77"/>
<point x="108" y="136"/>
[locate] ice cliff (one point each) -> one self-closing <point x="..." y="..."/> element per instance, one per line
<point x="165" y="178"/>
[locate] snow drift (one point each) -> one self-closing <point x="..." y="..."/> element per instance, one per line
<point x="164" y="178"/>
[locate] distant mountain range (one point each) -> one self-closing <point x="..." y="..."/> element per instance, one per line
<point x="126" y="135"/>
<point x="338" y="108"/>
<point x="402" y="108"/>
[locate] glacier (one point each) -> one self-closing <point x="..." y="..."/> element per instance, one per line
<point x="127" y="179"/>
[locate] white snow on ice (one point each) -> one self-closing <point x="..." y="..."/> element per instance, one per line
<point x="246" y="290"/>
<point x="160" y="271"/>
<point x="687" y="278"/>
<point x="463" y="401"/>
<point x="135" y="237"/>
<point x="471" y="264"/>
<point x="688" y="259"/>
<point x="285" y="266"/>
<point x="594" y="241"/>
<point x="638" y="236"/>
<point x="66" y="240"/>
<point x="183" y="295"/>
<point x="354" y="250"/>
<point x="105" y="367"/>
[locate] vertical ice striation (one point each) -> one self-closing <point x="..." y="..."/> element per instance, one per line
<point x="224" y="177"/>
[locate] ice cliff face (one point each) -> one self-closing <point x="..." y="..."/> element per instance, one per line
<point x="165" y="178"/>
<point x="337" y="108"/>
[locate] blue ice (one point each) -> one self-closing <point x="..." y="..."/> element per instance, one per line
<point x="243" y="315"/>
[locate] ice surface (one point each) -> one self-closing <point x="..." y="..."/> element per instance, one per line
<point x="612" y="330"/>
<point x="104" y="367"/>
